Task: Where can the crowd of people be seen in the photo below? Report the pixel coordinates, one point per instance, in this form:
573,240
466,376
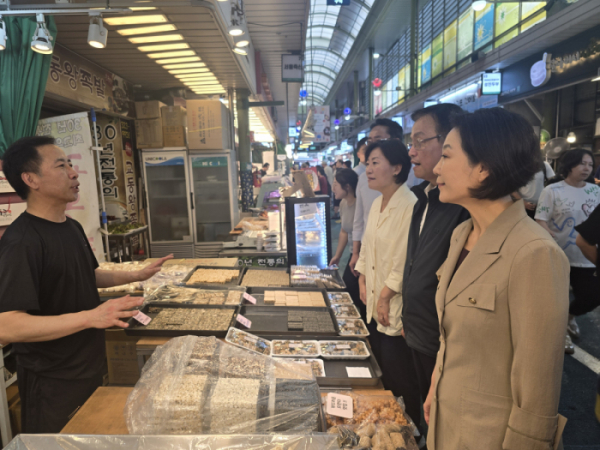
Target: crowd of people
463,277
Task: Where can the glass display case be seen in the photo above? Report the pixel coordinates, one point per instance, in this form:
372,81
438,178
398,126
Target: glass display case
308,229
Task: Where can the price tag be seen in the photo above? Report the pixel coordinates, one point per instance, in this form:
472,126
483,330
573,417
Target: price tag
299,345
339,405
343,347
245,322
249,298
358,372
142,318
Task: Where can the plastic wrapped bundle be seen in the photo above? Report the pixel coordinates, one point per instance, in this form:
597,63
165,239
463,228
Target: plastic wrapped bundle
199,385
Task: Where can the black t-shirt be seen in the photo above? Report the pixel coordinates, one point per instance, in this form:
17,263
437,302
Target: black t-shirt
47,270
590,230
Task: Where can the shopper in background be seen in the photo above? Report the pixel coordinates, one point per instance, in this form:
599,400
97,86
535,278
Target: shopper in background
502,298
381,265
344,189
323,185
264,170
359,154
561,207
348,164
49,304
339,164
328,173
381,129
428,240
530,193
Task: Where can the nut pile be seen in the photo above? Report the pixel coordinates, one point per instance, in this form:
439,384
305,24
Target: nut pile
213,276
345,311
310,321
248,341
266,278
304,365
191,296
295,348
234,401
352,327
342,349
294,298
340,298
196,319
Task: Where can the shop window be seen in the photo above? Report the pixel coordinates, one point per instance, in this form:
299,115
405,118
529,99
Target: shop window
437,57
450,45
484,26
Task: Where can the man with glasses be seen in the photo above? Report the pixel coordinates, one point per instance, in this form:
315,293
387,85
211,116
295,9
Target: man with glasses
381,129
428,241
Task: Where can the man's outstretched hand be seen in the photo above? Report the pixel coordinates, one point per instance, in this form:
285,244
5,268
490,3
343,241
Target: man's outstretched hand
152,269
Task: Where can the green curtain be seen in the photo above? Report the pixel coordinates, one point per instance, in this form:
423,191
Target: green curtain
23,76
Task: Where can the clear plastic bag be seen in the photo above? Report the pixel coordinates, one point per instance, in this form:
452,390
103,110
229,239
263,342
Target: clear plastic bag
199,385
169,293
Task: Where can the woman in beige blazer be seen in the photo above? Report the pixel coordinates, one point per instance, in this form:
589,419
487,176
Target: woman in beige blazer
502,298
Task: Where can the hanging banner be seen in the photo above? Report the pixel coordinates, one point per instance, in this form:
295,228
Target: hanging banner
76,78
321,124
129,171
73,134
437,59
465,34
450,45
484,26
426,65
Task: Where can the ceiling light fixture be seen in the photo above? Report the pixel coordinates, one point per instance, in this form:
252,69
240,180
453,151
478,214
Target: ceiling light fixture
155,39
146,30
377,92
2,34
180,71
141,8
236,30
172,54
196,77
178,60
598,77
241,41
571,138
41,37
478,5
158,48
136,20
376,55
240,51
185,65
97,34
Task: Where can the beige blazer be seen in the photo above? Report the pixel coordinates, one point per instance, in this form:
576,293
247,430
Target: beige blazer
503,318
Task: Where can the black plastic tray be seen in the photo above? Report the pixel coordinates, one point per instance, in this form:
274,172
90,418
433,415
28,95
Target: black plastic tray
278,269
321,285
272,320
259,295
211,286
137,329
335,369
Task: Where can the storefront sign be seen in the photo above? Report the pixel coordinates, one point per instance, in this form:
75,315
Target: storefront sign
9,212
4,186
73,134
572,61
262,261
76,78
129,173
292,70
491,83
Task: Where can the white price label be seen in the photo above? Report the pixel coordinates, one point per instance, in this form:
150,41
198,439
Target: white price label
249,298
343,347
245,322
339,405
142,318
358,372
298,345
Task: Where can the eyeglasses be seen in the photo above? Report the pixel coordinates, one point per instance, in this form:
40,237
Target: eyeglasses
418,143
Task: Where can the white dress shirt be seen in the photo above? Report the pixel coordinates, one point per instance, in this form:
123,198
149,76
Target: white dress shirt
383,254
364,199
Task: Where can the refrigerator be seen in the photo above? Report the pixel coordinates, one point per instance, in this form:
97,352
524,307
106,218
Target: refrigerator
308,230
168,200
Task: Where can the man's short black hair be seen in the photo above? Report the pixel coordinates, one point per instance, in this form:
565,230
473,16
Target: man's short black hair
266,165
505,144
359,144
396,153
441,114
21,157
571,159
394,129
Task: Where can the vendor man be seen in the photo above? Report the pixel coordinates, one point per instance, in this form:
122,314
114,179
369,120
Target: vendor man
49,303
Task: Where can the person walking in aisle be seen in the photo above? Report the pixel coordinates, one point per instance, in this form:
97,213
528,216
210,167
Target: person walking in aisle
324,188
328,172
344,189
381,129
381,265
428,240
530,193
339,164
501,299
49,304
563,206
359,151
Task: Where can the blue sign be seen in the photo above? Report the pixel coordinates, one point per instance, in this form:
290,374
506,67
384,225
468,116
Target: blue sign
303,93
484,26
347,111
338,2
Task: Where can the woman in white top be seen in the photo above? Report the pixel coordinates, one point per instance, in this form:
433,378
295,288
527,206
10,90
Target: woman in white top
530,193
561,207
381,267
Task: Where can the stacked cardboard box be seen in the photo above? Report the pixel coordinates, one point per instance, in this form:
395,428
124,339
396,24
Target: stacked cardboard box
174,126
148,126
208,125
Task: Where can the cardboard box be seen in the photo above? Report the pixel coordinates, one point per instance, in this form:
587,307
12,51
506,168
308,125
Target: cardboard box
122,360
208,125
148,110
174,136
149,133
173,116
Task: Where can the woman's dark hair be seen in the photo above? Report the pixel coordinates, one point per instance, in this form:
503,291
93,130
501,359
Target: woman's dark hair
320,170
347,179
396,153
571,159
505,144
348,164
21,157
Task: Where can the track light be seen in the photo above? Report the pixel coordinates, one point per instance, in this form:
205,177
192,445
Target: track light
240,51
41,37
478,5
376,55
98,34
241,41
571,138
235,30
2,34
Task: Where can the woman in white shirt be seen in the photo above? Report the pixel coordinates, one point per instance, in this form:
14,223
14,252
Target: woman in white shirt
530,193
381,267
561,207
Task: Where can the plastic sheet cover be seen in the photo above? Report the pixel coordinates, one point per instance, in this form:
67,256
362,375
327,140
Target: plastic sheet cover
199,385
225,442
